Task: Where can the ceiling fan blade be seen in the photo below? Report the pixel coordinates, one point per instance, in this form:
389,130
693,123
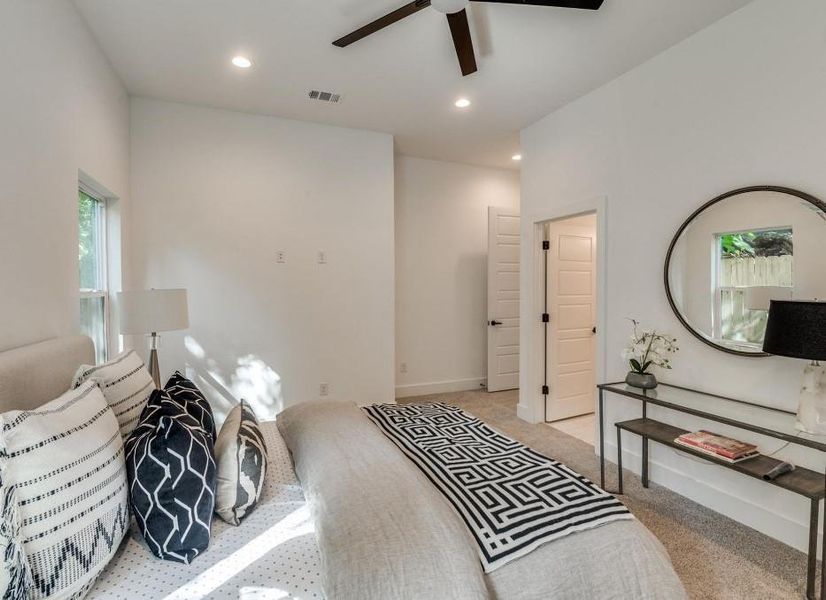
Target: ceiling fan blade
584,4
386,20
460,30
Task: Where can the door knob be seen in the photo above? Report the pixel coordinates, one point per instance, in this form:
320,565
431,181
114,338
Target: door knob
495,322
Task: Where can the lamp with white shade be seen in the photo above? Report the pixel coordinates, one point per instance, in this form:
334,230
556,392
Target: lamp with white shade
152,311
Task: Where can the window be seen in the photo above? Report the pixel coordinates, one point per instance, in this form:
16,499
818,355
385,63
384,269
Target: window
752,267
94,297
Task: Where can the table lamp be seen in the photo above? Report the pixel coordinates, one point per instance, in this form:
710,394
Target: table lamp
797,329
151,311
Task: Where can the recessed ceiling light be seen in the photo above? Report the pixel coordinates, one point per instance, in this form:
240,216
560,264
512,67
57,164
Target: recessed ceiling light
462,103
517,157
242,62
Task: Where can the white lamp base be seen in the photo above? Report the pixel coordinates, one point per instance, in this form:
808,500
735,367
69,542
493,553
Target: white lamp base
811,412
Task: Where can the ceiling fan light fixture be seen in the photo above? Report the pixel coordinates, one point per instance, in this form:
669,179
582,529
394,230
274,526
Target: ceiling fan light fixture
457,18
242,62
462,103
448,7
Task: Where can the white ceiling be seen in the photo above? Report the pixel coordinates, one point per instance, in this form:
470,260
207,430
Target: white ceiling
403,80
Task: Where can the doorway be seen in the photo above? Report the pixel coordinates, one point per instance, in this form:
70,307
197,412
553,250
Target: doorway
570,353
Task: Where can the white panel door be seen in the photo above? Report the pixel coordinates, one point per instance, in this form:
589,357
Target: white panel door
503,299
572,307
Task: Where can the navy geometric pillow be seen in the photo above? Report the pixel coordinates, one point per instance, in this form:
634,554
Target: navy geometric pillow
190,397
172,475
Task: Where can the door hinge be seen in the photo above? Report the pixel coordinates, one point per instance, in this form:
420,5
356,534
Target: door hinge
545,390
546,244
546,318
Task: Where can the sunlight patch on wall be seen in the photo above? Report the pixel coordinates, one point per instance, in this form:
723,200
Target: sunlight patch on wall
259,385
194,348
250,379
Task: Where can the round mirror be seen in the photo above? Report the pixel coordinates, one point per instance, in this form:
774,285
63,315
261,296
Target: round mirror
738,252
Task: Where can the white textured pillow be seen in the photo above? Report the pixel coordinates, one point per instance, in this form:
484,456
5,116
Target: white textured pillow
64,464
126,385
241,454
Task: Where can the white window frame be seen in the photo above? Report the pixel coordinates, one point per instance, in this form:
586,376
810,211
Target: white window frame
103,263
717,317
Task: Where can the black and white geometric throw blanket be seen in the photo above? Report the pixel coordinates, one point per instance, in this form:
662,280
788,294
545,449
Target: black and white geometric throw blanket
511,498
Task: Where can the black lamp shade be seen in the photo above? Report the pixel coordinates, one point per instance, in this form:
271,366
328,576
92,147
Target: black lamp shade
796,329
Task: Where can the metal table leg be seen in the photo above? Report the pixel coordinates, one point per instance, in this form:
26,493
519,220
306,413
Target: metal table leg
601,443
814,554
811,565
619,460
644,462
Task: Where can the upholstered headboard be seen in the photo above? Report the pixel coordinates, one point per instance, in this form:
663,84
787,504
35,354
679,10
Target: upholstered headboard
32,375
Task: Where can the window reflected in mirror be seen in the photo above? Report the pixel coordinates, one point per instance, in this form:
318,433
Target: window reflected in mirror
752,268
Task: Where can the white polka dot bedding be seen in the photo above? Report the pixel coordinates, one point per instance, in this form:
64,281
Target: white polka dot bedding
272,554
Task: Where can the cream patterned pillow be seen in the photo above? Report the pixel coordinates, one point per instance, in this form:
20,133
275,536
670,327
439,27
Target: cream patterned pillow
242,465
63,464
126,385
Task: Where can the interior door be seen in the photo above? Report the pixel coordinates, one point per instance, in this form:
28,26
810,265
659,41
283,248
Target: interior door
503,299
572,308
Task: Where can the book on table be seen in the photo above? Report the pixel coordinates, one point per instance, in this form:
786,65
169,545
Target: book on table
720,446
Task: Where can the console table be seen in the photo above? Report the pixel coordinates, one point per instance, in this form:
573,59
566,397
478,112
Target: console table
771,422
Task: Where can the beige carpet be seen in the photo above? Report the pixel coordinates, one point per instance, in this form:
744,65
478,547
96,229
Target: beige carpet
714,556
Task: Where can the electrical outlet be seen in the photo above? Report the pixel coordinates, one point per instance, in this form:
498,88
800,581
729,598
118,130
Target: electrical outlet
280,257
323,389
322,257
403,368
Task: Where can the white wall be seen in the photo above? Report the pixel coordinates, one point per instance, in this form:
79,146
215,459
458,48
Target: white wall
441,271
62,109
216,195
740,103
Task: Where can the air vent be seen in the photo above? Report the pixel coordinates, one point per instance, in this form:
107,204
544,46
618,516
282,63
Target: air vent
325,97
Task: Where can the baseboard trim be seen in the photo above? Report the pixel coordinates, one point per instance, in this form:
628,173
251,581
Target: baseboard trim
791,532
525,413
439,387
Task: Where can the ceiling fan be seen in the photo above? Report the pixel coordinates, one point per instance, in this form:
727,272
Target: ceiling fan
457,20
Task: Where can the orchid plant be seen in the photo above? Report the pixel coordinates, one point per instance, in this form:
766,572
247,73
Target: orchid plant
649,348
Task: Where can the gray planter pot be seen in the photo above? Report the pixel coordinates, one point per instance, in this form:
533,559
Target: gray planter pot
645,381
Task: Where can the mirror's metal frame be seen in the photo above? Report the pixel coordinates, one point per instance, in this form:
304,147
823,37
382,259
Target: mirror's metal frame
757,188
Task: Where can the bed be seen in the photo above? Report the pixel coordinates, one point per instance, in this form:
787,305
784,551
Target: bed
365,522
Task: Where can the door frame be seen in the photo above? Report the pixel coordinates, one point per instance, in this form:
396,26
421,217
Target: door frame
531,407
